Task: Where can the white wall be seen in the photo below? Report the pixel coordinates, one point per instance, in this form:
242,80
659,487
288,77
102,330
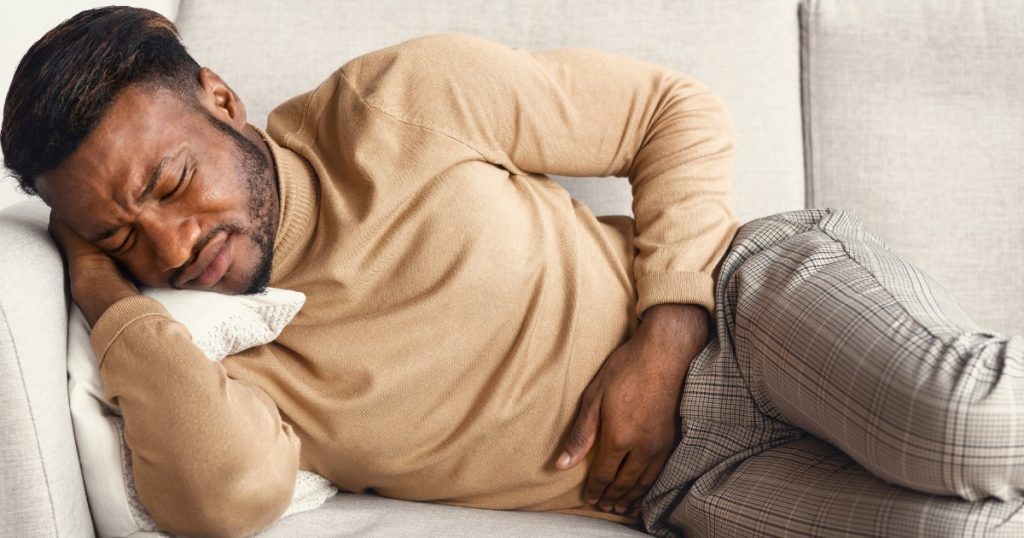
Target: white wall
21,24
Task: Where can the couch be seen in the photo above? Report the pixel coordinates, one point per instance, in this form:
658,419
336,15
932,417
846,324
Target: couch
908,113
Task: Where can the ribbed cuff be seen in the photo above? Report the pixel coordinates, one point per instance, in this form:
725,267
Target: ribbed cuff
675,287
118,317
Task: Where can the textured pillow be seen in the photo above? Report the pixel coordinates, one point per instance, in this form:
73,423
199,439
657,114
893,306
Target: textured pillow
220,325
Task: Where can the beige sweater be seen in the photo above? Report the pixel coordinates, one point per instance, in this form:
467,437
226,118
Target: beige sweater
458,300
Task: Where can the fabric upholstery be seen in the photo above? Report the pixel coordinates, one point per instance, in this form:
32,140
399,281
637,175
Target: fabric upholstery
824,331
915,123
42,492
369,516
746,51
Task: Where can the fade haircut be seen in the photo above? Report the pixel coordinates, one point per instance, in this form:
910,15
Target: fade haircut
69,78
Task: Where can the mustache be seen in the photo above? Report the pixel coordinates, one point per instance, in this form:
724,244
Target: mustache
199,246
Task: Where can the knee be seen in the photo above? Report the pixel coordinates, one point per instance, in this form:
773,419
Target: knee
969,440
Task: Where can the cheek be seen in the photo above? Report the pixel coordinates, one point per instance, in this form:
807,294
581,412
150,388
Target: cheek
221,191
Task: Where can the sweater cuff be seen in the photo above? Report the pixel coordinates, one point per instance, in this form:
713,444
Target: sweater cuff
675,287
118,317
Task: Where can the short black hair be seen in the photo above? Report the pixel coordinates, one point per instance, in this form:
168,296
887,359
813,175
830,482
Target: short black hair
69,78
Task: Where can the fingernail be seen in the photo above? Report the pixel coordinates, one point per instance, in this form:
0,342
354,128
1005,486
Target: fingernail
620,509
591,501
563,460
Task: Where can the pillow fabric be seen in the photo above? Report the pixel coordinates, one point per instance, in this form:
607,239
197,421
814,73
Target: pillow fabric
220,325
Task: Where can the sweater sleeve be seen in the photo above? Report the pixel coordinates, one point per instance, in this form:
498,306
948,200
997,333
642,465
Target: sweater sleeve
583,112
210,454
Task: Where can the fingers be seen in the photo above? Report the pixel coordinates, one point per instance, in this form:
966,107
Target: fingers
68,240
628,502
603,471
582,433
622,473
614,472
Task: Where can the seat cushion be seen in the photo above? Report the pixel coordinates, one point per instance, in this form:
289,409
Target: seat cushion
915,123
347,514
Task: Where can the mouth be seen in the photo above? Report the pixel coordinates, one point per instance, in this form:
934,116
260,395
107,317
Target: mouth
210,265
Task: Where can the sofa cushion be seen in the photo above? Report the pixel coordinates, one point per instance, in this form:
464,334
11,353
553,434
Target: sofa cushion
745,50
914,123
369,516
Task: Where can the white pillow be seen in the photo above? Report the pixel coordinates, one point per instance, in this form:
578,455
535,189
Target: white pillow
220,325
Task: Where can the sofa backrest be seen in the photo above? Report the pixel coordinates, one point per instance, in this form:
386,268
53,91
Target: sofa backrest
915,122
745,50
910,112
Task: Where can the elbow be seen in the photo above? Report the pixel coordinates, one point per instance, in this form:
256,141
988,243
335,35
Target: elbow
231,508
699,104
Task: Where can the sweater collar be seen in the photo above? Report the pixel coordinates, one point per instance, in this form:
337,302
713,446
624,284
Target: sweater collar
298,194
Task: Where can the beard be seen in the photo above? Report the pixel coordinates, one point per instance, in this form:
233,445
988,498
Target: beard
259,179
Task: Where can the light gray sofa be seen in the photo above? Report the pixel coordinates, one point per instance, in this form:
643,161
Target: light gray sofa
908,113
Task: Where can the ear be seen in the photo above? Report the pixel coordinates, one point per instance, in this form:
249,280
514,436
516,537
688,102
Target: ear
220,100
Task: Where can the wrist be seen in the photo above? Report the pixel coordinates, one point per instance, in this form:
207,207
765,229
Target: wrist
681,328
677,318
95,290
94,305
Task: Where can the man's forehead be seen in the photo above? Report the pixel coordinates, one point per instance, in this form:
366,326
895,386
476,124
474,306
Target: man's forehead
116,161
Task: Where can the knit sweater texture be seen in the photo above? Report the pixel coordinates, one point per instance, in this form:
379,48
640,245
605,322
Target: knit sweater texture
458,300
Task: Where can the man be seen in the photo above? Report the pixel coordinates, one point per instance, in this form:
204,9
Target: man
471,335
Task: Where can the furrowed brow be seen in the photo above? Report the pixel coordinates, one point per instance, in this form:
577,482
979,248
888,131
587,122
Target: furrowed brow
146,191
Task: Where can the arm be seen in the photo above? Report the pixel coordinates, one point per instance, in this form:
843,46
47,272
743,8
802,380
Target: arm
580,112
210,454
583,112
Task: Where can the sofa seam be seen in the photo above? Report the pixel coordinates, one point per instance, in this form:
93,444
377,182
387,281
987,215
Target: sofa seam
32,418
805,13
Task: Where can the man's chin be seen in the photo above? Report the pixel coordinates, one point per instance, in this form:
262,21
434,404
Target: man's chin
247,278
259,278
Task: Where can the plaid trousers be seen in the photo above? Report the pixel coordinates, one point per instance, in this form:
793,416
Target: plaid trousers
843,393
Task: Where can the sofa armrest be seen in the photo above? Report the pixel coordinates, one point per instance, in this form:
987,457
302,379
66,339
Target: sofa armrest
42,492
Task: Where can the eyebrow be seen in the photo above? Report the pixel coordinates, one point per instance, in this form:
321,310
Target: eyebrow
150,185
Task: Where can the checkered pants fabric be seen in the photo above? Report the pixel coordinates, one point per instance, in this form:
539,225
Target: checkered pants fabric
844,393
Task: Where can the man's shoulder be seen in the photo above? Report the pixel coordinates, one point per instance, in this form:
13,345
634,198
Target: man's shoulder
419,60
411,81
434,48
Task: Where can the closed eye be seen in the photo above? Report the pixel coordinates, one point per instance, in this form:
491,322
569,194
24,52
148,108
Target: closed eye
177,186
124,246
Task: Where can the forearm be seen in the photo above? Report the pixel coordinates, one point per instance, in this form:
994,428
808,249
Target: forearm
682,187
210,454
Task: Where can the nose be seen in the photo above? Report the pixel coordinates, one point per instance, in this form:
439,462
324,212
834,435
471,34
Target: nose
172,239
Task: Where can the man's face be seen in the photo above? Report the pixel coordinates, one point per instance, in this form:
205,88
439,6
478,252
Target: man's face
177,195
